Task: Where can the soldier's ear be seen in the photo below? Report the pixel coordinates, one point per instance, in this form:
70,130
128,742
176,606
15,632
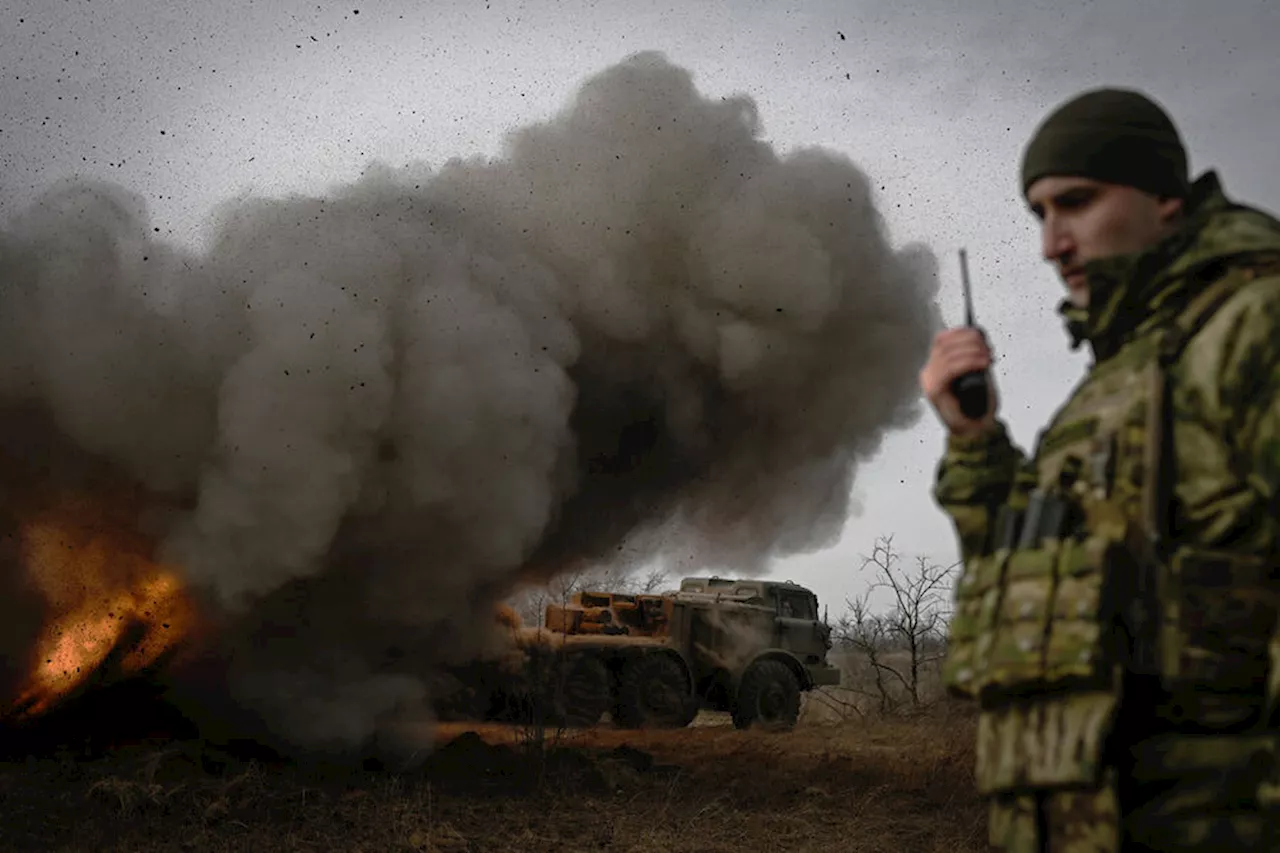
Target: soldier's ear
1170,208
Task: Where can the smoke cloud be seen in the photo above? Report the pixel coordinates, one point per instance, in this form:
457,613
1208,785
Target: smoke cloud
366,416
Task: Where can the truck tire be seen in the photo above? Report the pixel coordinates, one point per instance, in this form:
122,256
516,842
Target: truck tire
582,694
654,693
768,696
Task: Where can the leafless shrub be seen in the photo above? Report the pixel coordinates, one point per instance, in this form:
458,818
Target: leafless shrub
892,657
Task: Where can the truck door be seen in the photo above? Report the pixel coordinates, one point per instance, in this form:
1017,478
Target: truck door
798,624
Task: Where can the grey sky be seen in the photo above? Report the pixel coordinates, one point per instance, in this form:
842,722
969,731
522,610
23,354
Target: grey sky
191,103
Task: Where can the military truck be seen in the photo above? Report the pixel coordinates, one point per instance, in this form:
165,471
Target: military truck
749,647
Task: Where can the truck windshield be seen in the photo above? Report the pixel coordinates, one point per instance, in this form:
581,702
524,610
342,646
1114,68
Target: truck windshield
793,605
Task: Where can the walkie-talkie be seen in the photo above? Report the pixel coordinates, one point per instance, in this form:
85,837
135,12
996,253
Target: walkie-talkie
971,388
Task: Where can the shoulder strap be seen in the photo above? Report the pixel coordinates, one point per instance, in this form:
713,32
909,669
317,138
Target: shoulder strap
1224,280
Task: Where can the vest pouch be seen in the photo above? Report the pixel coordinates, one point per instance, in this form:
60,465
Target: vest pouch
1016,659
1080,647
1055,741
969,637
1218,622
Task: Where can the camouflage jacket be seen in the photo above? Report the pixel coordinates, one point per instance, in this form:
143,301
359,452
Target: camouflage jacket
1228,399
1223,446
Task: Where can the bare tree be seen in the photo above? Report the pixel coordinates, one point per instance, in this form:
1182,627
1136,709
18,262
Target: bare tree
652,582
908,640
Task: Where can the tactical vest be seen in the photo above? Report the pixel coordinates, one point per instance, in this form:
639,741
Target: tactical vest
1084,583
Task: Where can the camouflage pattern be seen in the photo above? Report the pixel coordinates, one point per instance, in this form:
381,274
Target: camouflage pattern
1119,611
1078,821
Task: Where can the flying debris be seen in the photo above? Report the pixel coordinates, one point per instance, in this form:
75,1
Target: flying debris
295,473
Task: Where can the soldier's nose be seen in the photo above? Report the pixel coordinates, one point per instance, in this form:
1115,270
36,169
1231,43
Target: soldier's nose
1055,242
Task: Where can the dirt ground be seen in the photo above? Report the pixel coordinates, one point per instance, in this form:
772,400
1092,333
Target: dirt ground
856,786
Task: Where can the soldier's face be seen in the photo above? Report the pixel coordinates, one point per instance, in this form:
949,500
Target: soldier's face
1083,220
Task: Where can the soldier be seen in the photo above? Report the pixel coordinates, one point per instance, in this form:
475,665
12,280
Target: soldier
1116,619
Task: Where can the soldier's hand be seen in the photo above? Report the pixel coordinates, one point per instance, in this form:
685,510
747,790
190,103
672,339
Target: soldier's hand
957,352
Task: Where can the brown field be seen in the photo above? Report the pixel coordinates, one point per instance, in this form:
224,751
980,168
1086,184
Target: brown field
855,785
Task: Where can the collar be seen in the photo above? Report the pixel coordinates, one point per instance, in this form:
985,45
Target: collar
1131,293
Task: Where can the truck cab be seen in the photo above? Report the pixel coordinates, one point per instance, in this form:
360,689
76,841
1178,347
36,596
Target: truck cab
797,627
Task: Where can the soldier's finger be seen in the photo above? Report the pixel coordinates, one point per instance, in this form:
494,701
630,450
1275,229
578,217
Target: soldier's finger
955,336
962,349
965,363
937,377
959,333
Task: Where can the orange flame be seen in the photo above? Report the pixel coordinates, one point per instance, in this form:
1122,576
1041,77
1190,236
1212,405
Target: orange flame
111,611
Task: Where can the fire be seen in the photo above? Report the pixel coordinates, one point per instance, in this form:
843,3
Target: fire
111,610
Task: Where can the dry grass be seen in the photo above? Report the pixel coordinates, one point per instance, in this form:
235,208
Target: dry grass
857,786
862,695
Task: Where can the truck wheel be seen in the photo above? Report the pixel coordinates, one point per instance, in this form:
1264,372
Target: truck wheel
768,695
582,692
653,692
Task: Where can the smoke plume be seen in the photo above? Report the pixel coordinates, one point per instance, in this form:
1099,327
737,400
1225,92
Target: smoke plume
364,417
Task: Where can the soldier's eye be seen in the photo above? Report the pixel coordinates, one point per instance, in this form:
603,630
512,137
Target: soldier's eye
1075,199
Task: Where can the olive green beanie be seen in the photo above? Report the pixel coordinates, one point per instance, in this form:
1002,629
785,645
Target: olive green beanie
1115,135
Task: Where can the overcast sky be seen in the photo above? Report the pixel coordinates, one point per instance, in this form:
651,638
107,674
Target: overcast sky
192,103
